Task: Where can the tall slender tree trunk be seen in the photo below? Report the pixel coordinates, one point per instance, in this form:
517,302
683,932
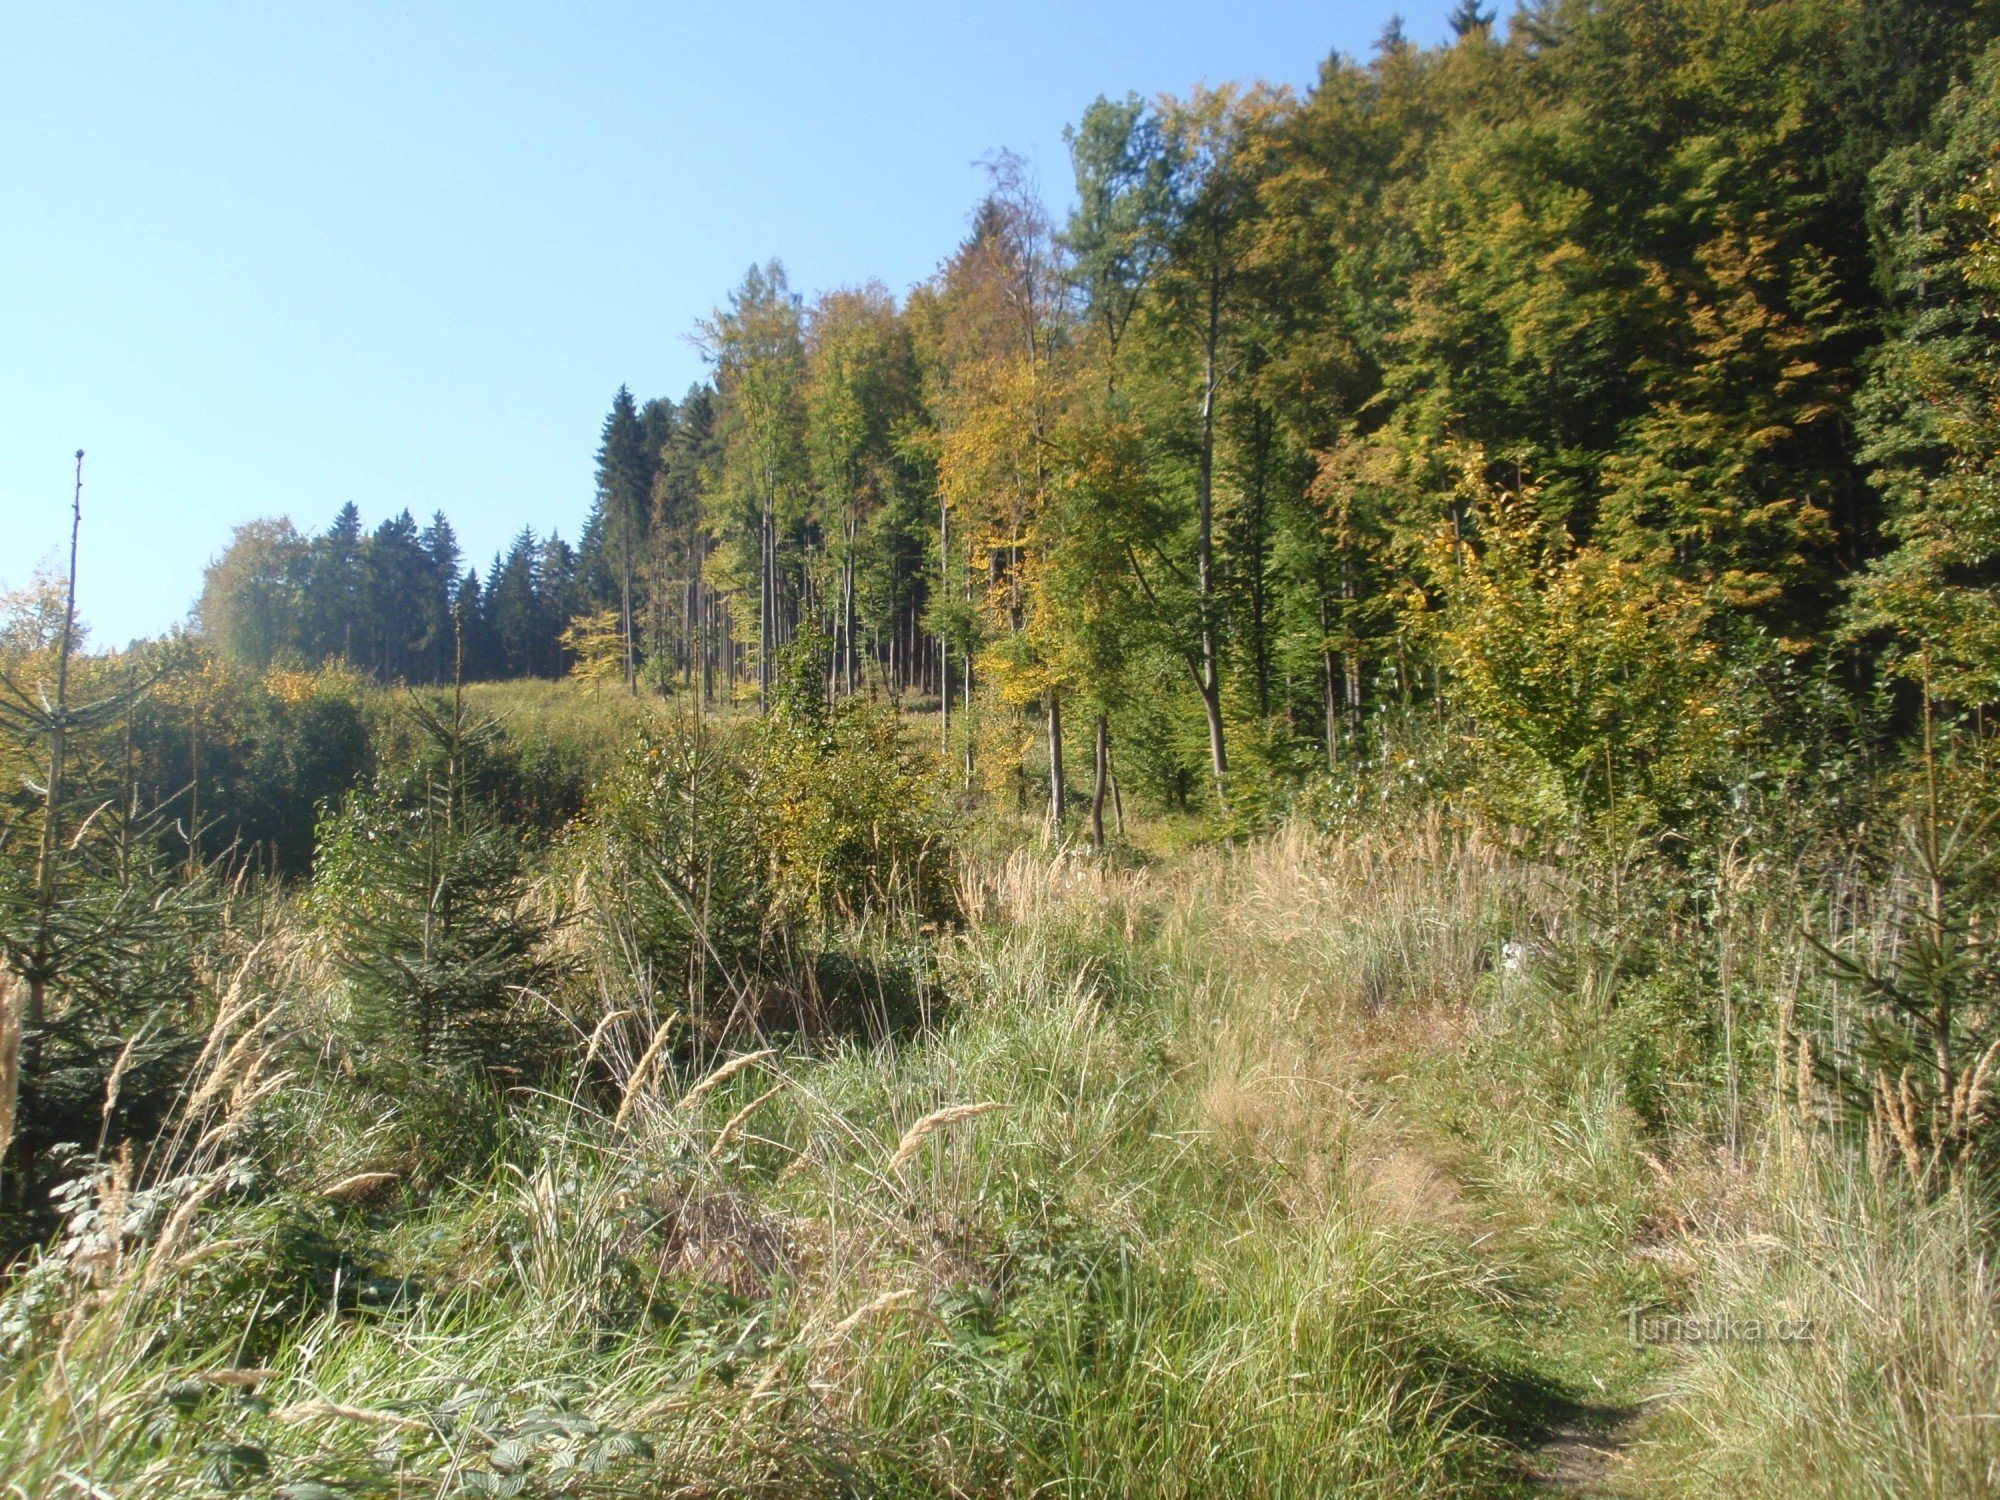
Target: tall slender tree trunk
625,609
847,606
694,631
1260,644
1099,785
766,614
1332,706
1209,678
1351,662
970,738
1056,780
1328,695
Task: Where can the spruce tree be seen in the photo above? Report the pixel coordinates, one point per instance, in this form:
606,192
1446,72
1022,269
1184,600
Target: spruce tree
333,601
624,503
475,645
511,598
426,895
1467,19
557,600
439,590
98,936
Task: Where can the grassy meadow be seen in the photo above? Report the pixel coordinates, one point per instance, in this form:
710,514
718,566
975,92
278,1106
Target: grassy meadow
1322,821
1308,1163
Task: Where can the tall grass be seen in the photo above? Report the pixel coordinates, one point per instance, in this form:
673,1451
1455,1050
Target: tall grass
1040,1247
1293,1168
1896,1390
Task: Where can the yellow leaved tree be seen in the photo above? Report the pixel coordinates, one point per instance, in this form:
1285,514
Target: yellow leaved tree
597,641
1589,680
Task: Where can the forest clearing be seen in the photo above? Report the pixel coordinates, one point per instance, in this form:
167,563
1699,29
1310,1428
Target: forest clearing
1320,821
1318,1160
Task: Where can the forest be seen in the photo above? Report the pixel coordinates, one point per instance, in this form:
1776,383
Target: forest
1325,825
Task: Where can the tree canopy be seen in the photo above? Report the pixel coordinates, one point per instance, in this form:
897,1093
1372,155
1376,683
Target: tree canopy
1637,328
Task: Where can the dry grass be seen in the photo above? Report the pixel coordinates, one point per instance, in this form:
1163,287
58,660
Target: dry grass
914,1138
1284,1184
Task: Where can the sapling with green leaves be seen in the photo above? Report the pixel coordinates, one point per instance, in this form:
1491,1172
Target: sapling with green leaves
677,885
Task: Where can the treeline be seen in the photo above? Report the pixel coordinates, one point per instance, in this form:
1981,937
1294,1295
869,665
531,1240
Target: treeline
391,602
1625,385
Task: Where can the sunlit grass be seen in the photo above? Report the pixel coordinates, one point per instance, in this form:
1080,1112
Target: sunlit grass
1284,1184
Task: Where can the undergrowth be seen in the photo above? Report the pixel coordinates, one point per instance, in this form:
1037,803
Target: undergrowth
1294,1168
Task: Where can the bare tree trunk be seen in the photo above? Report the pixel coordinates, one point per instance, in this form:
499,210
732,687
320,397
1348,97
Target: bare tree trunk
847,607
944,646
1328,695
970,737
625,609
1098,787
1056,783
766,615
1260,646
1209,679
1328,686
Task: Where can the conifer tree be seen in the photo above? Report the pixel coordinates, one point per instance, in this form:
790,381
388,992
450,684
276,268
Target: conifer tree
512,599
439,644
1468,19
426,895
333,603
97,936
1930,412
624,509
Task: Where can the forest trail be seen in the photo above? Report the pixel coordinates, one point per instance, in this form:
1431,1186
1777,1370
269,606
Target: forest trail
1581,1457
1574,1343
1570,1277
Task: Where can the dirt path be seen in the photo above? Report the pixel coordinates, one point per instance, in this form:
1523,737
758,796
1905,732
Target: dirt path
1582,1455
1573,1267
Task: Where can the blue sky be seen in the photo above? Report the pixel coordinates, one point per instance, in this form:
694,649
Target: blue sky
265,259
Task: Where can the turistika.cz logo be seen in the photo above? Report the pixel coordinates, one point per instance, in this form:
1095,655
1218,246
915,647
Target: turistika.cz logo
1664,1328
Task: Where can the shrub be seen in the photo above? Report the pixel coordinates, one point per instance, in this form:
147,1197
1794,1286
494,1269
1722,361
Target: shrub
854,831
673,865
717,859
